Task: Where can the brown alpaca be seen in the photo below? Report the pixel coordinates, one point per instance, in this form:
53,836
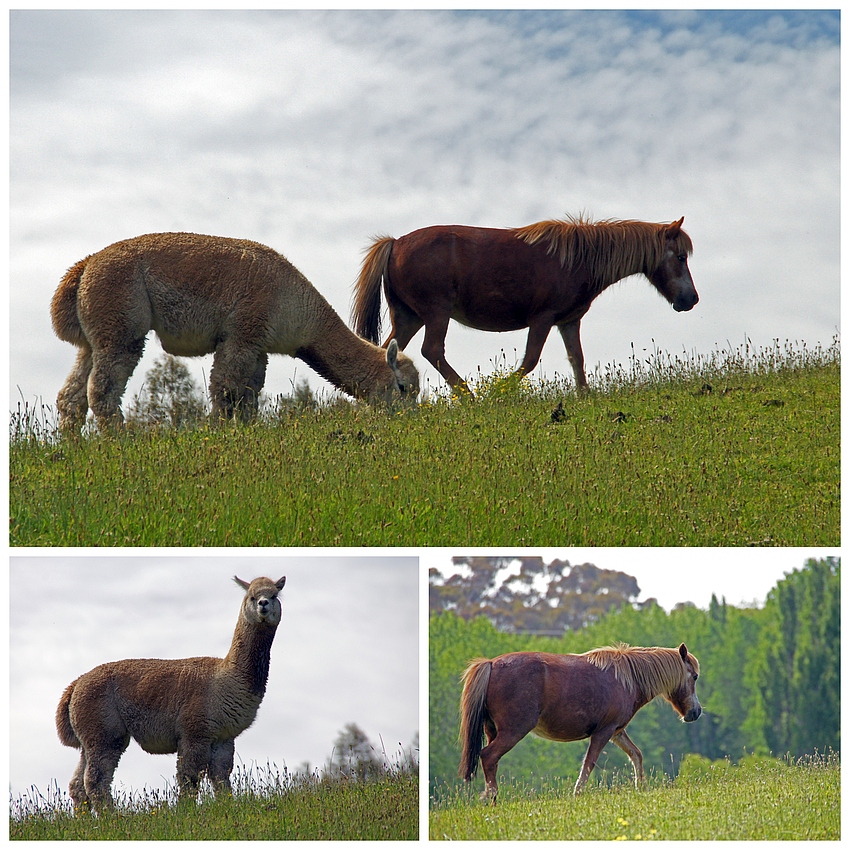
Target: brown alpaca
206,294
192,706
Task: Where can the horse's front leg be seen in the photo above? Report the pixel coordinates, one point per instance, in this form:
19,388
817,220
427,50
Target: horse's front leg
538,332
630,748
572,342
597,743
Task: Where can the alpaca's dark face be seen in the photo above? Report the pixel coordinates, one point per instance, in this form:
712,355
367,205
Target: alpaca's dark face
261,604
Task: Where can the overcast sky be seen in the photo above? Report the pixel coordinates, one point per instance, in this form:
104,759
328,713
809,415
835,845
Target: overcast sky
346,650
314,131
743,576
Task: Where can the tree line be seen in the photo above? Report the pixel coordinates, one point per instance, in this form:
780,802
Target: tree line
769,680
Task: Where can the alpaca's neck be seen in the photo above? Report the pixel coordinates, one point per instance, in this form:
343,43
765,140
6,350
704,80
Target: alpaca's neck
250,653
350,363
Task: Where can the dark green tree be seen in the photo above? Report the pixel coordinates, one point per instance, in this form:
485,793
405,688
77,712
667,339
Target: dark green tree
169,396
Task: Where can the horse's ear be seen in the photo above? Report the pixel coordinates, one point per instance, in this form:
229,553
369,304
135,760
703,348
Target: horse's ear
683,651
280,583
243,584
672,230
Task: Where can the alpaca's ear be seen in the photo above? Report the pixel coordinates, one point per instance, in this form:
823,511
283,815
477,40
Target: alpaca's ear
280,583
243,584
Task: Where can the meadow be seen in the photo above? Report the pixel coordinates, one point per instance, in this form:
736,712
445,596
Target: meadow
731,449
265,806
759,799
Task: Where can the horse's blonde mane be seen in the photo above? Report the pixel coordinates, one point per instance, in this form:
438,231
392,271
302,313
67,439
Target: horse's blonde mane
650,671
609,249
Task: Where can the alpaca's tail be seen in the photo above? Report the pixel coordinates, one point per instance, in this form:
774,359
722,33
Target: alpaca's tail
63,307
473,712
366,312
63,719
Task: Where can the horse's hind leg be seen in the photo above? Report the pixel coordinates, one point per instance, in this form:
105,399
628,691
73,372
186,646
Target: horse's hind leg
111,369
498,744
72,401
630,748
434,350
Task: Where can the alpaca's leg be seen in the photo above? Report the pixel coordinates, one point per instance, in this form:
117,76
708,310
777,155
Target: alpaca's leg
111,370
99,770
221,765
193,759
253,388
72,402
237,376
77,787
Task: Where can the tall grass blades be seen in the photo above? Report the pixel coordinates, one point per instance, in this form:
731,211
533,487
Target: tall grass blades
759,799
735,448
267,804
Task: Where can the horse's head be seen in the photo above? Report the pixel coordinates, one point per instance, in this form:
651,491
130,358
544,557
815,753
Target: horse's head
684,697
672,277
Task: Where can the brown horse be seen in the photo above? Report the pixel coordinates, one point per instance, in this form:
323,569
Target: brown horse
568,698
531,277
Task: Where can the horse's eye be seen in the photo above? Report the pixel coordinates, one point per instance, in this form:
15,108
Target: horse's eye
683,259
696,676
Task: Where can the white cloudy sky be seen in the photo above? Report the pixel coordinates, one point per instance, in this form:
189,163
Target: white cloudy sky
743,576
345,652
314,131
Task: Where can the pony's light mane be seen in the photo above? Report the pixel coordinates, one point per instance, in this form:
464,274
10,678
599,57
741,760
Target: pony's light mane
609,249
649,670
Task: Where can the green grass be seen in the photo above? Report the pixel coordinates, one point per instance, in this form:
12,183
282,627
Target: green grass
304,809
762,799
734,449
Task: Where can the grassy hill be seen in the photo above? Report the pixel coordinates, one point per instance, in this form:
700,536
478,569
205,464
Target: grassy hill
303,810
761,799
727,450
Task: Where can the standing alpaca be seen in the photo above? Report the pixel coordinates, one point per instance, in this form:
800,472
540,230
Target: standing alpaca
192,706
206,294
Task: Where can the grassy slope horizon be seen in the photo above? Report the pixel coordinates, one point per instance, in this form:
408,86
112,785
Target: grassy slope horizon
732,451
760,799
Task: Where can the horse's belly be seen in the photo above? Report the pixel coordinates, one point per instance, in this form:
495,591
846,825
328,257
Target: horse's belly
563,733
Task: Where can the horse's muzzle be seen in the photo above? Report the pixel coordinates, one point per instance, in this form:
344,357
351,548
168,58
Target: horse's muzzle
686,302
693,714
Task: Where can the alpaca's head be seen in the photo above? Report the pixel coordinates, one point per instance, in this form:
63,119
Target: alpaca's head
261,605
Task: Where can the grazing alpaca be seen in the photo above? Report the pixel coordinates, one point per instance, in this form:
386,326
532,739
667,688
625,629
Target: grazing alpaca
206,294
192,706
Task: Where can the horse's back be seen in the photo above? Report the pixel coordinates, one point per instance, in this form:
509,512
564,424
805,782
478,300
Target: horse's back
483,277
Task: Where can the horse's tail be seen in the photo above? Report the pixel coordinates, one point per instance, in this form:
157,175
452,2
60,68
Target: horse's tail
63,307
67,735
473,712
366,312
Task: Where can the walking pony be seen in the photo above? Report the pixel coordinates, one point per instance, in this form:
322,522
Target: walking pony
206,294
532,277
568,698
